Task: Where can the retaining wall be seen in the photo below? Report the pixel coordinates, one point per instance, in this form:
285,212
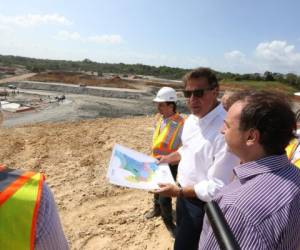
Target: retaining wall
75,89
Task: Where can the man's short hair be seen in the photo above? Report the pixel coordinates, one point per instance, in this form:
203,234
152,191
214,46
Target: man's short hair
271,114
206,73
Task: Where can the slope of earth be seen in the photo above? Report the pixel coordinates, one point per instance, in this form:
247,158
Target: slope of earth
74,157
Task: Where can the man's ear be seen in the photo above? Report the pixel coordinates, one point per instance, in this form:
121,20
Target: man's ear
253,137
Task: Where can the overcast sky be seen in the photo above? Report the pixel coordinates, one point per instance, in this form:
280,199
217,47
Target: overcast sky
226,35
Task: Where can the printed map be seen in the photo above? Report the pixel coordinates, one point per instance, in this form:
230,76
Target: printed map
133,169
139,171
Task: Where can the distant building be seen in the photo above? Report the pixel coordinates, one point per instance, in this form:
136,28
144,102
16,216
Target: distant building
3,92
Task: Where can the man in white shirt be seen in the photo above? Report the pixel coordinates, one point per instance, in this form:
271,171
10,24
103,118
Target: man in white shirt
205,165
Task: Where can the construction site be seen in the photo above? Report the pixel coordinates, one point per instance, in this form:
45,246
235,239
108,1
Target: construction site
58,96
67,131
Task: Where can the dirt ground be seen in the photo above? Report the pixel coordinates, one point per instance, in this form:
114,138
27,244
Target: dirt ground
111,81
74,157
17,78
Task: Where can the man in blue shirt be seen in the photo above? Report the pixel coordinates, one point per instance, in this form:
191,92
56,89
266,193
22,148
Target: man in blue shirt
262,204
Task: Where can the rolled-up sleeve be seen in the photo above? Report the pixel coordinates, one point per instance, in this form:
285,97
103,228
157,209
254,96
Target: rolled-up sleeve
220,172
179,150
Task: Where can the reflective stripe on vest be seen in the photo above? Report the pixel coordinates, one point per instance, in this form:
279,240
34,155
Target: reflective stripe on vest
20,194
167,141
291,151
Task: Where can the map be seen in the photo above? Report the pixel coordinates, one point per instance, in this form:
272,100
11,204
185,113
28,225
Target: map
133,169
141,171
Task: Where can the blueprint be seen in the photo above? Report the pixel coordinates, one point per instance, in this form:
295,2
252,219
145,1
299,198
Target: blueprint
132,169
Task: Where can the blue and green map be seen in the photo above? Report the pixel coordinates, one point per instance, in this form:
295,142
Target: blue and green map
140,171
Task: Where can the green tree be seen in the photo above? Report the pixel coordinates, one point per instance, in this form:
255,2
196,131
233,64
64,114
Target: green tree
268,76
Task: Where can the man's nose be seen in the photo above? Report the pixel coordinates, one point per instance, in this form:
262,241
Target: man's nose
193,97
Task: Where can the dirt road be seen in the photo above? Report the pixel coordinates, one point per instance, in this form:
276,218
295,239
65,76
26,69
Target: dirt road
17,78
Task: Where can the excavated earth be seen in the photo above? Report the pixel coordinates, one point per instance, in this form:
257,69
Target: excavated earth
74,157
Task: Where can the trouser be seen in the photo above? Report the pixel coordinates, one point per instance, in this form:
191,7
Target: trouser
189,217
165,203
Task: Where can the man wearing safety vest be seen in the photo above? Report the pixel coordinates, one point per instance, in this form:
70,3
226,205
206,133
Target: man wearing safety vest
166,139
28,215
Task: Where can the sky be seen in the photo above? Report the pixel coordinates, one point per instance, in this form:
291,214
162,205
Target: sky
227,35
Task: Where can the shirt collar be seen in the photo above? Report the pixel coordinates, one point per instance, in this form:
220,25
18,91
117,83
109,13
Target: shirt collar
207,119
264,165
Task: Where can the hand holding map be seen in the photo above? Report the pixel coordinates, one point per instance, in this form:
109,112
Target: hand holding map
132,169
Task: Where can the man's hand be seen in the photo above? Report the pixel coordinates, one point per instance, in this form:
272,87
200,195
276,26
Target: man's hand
168,190
164,159
170,158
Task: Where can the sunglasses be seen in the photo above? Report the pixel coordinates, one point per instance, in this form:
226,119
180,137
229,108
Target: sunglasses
195,92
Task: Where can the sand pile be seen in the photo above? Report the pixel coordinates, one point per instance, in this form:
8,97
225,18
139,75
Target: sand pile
74,158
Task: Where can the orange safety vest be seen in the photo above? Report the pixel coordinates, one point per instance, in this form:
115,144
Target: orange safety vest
291,150
167,140
20,193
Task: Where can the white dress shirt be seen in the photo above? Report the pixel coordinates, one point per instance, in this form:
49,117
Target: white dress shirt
205,161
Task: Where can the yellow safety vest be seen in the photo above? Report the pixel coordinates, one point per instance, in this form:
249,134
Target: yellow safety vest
167,140
291,150
20,193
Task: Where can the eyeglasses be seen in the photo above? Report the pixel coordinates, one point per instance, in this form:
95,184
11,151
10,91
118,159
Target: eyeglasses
195,92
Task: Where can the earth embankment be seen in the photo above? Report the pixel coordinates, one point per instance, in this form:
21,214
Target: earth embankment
74,157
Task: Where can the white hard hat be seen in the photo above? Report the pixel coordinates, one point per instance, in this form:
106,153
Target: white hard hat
166,94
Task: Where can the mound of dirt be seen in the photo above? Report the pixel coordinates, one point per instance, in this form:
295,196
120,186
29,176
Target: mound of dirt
83,79
74,157
99,81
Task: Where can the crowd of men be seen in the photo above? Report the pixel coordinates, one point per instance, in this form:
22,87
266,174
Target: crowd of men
243,159
240,154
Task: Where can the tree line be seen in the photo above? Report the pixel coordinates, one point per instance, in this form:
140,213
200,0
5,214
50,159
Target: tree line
40,65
